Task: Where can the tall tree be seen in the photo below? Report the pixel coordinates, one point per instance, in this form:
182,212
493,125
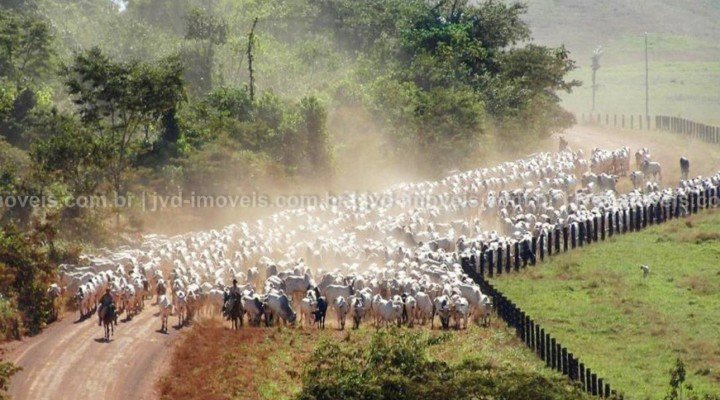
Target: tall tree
119,99
25,48
318,143
208,31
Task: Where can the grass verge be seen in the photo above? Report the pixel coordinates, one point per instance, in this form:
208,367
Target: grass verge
212,362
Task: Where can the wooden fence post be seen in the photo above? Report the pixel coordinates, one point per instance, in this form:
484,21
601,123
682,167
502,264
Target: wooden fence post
557,240
491,262
602,226
594,385
595,228
533,249
516,249
541,246
624,220
482,260
499,261
565,238
558,355
588,380
508,263
550,242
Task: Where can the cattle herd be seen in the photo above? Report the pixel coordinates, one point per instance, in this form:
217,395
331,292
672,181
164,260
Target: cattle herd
386,258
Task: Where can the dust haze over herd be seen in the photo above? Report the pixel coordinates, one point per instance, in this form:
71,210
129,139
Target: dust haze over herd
322,199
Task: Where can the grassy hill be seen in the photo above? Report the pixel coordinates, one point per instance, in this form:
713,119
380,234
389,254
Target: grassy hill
629,329
684,49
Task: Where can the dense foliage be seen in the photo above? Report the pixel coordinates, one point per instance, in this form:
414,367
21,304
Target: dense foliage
396,365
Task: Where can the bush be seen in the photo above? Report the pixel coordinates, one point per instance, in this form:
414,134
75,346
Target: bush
396,365
25,274
7,370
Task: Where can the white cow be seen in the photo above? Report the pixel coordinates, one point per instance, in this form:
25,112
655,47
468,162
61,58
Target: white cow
341,308
165,310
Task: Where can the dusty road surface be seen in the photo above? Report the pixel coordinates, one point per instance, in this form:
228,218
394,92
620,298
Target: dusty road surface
71,361
667,148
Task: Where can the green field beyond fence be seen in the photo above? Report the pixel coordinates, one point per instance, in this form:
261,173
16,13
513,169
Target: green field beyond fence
631,329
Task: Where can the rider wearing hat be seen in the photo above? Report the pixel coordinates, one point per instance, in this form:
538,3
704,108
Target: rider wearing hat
106,301
232,296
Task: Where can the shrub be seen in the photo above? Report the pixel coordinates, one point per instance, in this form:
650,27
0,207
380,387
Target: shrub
396,365
7,370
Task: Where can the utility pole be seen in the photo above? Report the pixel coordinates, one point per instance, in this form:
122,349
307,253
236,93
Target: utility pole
595,66
647,82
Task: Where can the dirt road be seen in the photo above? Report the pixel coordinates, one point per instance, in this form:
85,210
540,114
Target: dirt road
667,148
68,360
71,361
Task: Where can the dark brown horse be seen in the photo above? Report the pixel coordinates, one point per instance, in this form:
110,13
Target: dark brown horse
234,311
107,320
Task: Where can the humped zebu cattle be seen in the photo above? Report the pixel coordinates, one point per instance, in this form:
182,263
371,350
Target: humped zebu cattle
391,263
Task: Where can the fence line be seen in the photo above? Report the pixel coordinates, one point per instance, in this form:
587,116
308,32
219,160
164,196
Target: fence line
682,126
494,260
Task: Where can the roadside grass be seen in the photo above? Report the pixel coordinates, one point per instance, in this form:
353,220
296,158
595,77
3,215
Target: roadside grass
212,362
630,330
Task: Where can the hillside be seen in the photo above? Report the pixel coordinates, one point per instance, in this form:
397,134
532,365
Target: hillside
683,47
683,28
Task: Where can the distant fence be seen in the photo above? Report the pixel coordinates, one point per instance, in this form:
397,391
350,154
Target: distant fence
682,126
494,260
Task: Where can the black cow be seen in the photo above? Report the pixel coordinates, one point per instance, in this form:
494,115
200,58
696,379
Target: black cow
684,168
321,311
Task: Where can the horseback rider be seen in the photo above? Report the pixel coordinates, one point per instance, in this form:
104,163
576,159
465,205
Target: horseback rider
231,297
106,301
563,143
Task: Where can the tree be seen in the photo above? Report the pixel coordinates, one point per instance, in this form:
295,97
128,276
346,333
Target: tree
26,55
208,31
25,48
120,99
314,117
72,155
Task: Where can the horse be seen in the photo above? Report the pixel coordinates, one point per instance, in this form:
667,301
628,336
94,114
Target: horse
233,310
108,319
